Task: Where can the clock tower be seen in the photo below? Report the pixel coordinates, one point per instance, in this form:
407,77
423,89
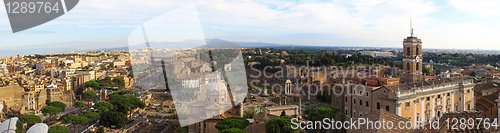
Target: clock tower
412,59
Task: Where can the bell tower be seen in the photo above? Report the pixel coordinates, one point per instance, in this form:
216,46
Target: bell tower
412,59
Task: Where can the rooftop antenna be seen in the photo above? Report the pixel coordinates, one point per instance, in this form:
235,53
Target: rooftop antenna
411,27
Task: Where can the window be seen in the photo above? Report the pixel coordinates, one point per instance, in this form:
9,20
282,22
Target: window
354,100
354,115
416,51
439,96
378,105
346,99
346,112
360,93
367,94
408,66
468,91
360,102
366,103
428,98
407,50
387,107
468,105
460,99
448,94
456,107
417,66
407,104
418,116
360,114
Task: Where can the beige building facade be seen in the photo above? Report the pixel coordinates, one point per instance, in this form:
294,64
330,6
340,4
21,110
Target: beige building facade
415,99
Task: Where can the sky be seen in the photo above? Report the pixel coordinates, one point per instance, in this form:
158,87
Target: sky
94,24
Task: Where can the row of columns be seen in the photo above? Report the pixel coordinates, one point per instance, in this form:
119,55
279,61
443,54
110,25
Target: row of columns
422,102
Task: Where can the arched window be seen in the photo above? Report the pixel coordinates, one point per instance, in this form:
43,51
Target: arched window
417,66
407,50
417,52
408,66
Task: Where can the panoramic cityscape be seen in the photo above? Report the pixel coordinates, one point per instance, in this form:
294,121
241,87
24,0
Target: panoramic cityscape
252,66
286,89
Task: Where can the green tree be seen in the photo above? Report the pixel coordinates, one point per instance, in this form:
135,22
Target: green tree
92,83
110,118
58,104
282,124
75,119
19,128
232,122
320,113
107,79
427,70
125,92
79,91
125,104
103,106
89,94
30,119
119,80
233,130
51,110
249,113
58,129
89,114
80,104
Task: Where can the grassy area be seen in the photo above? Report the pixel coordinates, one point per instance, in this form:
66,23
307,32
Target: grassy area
262,108
260,87
442,68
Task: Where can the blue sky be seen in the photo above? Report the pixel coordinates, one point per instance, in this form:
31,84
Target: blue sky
92,24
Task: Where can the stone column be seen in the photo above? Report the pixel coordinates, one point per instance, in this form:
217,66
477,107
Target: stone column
473,100
433,106
415,112
453,101
422,111
463,101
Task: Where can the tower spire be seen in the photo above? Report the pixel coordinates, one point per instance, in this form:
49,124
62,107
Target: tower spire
411,27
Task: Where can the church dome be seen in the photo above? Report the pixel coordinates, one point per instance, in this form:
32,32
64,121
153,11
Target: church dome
217,87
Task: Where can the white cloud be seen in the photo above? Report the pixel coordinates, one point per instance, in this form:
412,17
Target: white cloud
379,20
477,8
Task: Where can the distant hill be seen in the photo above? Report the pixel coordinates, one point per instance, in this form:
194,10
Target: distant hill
203,43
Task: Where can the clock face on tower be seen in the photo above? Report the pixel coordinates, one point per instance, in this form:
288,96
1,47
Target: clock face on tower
417,58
